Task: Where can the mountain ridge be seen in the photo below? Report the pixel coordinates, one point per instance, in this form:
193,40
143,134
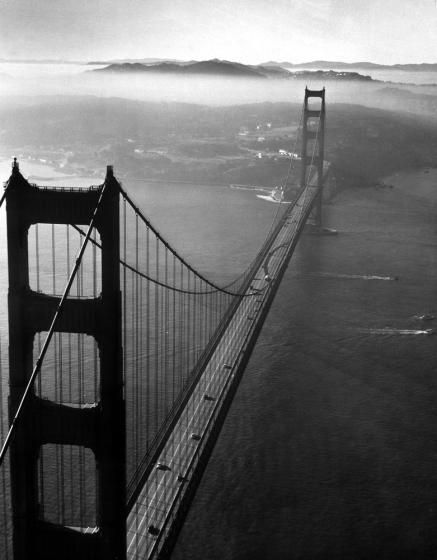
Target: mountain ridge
315,64
208,67
364,65
222,68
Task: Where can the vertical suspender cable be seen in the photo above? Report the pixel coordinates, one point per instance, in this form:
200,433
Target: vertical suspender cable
137,426
148,360
156,337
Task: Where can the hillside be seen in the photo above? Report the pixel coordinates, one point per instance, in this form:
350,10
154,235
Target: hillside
328,75
205,67
330,64
407,100
235,144
225,68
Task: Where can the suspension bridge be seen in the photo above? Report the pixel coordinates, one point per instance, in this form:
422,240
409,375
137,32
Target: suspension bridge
123,362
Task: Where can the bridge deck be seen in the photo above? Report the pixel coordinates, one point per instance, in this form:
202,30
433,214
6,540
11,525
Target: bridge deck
150,519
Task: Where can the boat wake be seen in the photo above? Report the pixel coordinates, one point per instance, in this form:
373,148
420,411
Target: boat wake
270,198
249,188
390,331
358,276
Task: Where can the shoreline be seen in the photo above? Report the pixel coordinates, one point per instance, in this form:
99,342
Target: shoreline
419,182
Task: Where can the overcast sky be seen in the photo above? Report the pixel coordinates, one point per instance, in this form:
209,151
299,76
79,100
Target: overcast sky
251,31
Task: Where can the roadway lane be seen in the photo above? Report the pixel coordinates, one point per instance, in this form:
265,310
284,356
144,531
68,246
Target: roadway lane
150,519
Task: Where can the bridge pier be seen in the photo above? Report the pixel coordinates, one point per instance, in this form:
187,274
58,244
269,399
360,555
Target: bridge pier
100,427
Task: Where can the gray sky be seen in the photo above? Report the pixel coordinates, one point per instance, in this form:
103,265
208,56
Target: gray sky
251,31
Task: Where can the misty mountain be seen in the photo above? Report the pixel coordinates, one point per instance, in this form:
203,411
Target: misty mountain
270,65
423,67
327,75
329,64
206,67
198,143
229,69
150,60
407,100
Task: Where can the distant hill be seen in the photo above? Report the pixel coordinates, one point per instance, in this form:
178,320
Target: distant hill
137,60
407,100
324,64
231,69
205,67
313,64
423,67
324,75
332,64
272,71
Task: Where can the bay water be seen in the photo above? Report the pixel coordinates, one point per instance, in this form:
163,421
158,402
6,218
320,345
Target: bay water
329,449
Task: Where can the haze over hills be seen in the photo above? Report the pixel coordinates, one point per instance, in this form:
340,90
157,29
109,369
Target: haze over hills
327,64
204,67
149,60
210,145
313,64
217,67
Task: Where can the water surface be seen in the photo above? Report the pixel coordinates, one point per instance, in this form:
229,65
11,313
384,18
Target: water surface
329,450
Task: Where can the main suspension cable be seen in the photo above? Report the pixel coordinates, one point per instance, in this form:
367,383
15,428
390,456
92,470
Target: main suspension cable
158,282
145,220
279,207
224,289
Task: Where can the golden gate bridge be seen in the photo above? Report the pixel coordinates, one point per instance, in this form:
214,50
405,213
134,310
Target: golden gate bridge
123,362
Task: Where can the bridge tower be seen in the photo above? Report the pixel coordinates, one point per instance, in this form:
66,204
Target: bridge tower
313,146
99,426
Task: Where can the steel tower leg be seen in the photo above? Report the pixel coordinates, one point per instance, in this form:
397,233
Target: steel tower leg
100,427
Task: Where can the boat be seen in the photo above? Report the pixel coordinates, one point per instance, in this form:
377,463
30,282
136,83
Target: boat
276,195
424,317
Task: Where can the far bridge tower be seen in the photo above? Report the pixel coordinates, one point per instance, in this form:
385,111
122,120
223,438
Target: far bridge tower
313,147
